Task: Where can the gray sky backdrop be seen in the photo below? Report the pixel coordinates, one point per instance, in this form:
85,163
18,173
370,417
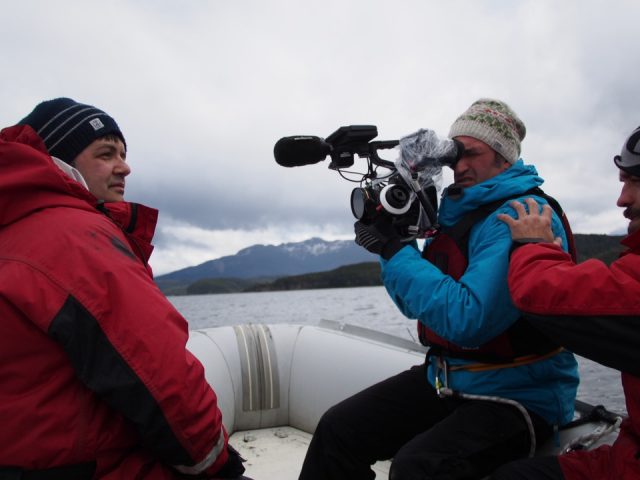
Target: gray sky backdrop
203,90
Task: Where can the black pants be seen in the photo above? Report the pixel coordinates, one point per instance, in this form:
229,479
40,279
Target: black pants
427,437
539,468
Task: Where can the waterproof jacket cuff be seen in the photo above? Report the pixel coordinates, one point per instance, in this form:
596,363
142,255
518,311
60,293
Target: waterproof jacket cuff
392,247
524,241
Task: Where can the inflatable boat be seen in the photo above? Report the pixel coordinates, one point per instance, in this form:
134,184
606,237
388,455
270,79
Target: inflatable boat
274,382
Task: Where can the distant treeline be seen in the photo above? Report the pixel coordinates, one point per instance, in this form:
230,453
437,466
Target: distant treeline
603,247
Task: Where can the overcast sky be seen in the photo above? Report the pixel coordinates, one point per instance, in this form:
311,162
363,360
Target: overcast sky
203,89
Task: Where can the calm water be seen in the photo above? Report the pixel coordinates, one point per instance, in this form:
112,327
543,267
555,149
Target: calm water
367,307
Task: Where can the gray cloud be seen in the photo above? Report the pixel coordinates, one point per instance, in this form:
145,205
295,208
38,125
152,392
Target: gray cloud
203,90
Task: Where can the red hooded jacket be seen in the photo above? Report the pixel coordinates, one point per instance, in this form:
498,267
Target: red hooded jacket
544,281
93,363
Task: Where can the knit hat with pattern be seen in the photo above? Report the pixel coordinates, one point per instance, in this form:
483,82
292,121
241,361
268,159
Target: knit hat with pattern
68,127
494,123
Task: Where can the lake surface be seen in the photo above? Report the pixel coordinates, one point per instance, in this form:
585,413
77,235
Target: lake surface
368,307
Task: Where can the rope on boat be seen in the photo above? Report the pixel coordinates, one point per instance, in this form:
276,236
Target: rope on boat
598,413
443,390
506,401
585,441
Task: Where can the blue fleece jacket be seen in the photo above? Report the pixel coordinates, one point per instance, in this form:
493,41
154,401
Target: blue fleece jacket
476,308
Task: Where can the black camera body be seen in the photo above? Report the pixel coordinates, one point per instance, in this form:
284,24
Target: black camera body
367,202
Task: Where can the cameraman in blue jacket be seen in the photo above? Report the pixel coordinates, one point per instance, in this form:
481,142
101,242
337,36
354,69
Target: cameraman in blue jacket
491,388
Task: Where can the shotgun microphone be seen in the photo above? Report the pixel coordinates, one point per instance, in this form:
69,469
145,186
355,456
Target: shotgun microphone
300,150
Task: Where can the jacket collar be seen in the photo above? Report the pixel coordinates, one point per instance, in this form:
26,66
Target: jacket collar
632,242
515,180
137,221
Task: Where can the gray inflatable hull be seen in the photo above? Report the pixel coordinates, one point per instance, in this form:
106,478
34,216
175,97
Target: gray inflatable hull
274,382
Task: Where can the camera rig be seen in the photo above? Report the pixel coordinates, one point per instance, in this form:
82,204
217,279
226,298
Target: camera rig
406,189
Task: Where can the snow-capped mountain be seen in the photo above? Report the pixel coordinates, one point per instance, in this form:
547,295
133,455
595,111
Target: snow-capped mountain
313,255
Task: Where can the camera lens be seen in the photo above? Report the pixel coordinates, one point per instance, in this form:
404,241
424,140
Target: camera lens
358,198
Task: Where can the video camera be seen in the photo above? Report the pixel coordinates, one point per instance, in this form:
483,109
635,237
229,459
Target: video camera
406,191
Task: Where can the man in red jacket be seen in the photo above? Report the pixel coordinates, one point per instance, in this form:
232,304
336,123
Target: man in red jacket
592,310
95,377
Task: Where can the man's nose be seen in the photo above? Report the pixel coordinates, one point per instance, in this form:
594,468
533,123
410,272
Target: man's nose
624,199
123,168
461,165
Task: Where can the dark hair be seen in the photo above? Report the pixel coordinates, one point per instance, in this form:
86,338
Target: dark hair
113,137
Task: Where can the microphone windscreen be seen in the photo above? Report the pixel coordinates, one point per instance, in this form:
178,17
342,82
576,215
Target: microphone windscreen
300,150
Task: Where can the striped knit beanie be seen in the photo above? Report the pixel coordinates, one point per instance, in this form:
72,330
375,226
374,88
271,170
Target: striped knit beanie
494,123
68,127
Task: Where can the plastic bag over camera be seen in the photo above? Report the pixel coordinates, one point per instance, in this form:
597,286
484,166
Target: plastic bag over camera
422,156
424,153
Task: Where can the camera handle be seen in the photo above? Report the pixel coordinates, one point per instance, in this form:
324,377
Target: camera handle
426,204
381,145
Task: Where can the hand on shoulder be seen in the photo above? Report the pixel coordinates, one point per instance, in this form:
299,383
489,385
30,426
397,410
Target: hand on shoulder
532,224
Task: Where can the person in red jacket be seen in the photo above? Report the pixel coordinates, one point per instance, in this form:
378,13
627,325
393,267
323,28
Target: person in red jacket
95,378
592,310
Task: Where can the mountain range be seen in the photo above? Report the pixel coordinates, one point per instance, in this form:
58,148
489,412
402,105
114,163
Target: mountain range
267,262
314,263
